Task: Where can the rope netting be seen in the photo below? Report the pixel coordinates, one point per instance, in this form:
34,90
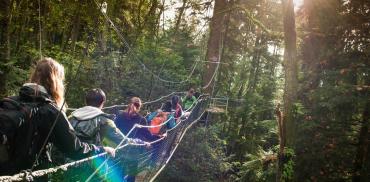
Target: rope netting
133,159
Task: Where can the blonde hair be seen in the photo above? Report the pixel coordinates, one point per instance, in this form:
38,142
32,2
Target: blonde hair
134,106
50,74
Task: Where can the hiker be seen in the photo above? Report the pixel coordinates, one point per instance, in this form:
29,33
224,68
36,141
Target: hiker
164,114
197,95
159,119
176,107
94,126
45,93
156,120
125,121
189,100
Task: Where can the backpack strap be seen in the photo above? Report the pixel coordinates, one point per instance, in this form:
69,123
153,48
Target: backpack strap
12,103
99,121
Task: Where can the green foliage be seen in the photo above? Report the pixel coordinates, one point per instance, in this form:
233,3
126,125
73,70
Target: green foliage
86,37
332,102
200,157
288,168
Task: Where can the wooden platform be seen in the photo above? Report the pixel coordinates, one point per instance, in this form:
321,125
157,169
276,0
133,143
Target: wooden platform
216,110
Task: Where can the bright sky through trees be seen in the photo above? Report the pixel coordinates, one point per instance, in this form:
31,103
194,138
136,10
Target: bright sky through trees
297,4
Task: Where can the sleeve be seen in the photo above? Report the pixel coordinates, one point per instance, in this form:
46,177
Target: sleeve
171,121
111,135
181,112
150,116
65,139
195,101
145,133
147,136
143,121
118,120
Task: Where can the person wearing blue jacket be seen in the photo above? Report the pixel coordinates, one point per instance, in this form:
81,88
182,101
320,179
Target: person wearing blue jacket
125,121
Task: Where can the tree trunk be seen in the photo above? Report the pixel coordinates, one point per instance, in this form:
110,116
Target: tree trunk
281,133
179,15
291,81
75,29
291,70
150,21
214,45
359,174
254,69
102,35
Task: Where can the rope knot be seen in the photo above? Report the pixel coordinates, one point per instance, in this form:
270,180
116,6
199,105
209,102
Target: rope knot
27,175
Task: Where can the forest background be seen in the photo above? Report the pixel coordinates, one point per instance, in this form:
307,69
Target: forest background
311,59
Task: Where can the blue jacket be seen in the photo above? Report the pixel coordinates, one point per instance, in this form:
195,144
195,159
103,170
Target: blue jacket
126,122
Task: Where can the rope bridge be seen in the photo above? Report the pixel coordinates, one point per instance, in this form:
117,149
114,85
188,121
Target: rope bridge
132,159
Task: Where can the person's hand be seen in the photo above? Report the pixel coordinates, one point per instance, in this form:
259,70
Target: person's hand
110,151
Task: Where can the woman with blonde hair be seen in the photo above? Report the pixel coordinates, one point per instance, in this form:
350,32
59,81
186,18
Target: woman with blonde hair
49,123
50,75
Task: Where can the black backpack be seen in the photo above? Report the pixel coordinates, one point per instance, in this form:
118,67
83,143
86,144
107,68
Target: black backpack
18,133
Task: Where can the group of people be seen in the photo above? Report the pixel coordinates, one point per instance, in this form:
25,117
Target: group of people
87,131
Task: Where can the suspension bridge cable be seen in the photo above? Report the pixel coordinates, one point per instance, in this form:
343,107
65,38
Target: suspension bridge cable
144,103
43,172
213,76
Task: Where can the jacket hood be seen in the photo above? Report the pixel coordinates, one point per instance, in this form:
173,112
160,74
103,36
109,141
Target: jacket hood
87,112
34,92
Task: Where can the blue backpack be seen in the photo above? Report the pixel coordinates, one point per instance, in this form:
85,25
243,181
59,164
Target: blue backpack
172,122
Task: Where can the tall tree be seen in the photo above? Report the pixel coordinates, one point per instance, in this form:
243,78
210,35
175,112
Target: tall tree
214,44
291,70
291,82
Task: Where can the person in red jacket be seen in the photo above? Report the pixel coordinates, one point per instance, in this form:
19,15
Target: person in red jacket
176,107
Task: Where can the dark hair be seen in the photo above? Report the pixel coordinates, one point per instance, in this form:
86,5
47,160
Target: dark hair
197,95
95,97
191,90
167,106
174,101
134,106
